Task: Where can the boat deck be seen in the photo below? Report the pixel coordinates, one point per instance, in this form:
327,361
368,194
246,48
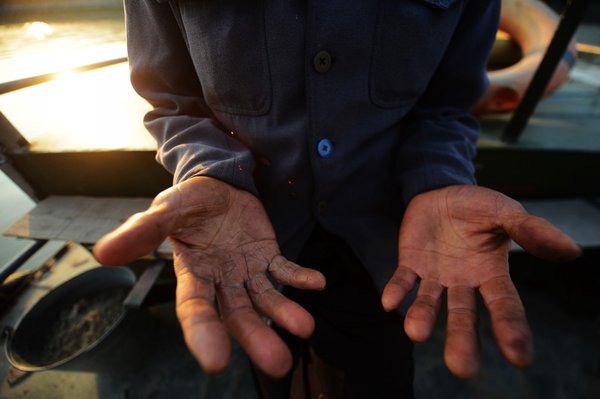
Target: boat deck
554,169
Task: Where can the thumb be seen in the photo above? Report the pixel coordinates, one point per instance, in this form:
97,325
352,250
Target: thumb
138,236
541,238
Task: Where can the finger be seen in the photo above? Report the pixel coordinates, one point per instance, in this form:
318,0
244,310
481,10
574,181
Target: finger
421,316
138,236
284,312
401,283
461,350
203,331
263,346
508,320
289,273
540,238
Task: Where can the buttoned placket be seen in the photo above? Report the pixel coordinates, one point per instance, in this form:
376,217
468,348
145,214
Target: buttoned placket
320,64
334,57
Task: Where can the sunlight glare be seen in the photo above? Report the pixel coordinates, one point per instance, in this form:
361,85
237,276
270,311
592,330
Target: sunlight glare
39,30
95,110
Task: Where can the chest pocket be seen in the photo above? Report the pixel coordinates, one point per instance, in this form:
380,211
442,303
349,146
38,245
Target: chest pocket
411,39
226,40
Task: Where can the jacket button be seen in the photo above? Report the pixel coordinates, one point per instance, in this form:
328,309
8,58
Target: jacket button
325,148
322,61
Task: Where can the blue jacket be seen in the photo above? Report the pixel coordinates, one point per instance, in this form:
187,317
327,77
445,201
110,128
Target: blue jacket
331,112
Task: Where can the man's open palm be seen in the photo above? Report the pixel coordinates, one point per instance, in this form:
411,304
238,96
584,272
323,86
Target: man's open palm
457,239
224,249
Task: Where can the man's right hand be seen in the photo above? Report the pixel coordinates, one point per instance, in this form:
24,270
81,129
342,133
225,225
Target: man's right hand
224,249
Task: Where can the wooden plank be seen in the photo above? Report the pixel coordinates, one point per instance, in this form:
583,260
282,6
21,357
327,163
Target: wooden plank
546,132
77,218
580,218
572,101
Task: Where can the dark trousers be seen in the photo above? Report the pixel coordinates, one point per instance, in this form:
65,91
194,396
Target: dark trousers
357,350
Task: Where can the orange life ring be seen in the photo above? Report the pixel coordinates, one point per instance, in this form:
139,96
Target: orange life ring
531,24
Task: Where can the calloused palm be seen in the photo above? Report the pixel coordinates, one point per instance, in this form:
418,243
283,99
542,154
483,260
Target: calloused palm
457,239
224,251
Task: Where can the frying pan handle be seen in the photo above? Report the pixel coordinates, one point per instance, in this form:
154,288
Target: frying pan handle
144,284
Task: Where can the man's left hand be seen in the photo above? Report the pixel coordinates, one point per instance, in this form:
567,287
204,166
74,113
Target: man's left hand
457,239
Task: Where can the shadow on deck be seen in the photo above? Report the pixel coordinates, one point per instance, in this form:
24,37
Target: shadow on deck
563,307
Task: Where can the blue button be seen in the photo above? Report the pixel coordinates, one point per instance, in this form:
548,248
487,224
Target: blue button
325,148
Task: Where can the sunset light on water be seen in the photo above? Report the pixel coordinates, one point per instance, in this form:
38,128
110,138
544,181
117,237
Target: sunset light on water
80,111
39,30
94,110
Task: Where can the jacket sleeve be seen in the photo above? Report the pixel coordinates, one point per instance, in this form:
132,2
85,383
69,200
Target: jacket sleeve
439,138
191,141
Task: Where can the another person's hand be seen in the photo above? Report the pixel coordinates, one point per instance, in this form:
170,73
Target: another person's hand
224,249
457,239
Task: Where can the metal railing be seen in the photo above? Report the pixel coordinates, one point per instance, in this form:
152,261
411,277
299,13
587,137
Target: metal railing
19,84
